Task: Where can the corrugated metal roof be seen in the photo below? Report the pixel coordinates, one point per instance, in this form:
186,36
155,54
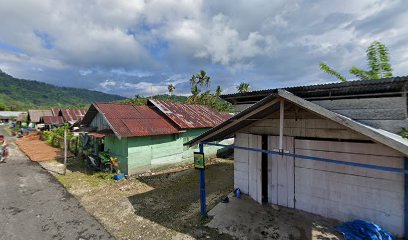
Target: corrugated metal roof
52,120
386,85
22,117
73,115
10,113
259,111
55,111
188,116
35,115
129,120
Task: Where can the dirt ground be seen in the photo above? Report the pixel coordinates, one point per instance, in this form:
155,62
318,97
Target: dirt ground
162,205
246,219
38,150
165,204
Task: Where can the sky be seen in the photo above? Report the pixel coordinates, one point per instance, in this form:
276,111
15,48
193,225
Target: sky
130,47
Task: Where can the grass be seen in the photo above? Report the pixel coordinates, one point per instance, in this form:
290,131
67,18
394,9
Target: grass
80,175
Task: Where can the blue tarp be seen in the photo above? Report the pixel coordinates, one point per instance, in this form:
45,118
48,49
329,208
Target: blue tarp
362,230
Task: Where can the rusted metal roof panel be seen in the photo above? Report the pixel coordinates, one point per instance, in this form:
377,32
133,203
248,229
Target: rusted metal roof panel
35,115
129,120
52,120
188,116
22,117
73,115
55,111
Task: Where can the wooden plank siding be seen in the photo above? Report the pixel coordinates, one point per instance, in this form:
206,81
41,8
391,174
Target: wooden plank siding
99,122
160,151
241,164
314,128
281,173
345,192
388,113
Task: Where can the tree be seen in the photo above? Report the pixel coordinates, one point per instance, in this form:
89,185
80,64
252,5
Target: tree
243,87
218,91
204,96
195,92
171,88
325,68
377,59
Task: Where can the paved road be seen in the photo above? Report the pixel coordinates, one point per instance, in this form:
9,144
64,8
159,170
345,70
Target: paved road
34,206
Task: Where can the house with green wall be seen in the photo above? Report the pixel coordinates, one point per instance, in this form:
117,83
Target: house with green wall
149,136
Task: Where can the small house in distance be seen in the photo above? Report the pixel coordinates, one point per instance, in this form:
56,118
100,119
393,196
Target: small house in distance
145,137
71,116
7,116
34,116
331,149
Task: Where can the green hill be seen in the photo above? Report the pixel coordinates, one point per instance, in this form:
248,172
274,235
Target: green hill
20,94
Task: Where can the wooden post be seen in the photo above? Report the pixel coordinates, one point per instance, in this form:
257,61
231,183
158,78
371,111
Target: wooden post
65,151
281,120
202,188
406,198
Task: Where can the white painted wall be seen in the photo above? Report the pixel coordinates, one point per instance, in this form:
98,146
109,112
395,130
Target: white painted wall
241,157
281,173
247,166
346,192
331,190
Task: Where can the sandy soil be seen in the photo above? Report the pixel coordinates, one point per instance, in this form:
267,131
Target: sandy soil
38,150
246,219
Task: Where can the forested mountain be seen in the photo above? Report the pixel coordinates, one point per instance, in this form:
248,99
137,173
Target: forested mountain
20,94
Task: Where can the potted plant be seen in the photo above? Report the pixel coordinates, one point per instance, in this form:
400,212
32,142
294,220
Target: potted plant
115,164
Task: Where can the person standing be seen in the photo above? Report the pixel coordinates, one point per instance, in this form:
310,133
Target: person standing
3,149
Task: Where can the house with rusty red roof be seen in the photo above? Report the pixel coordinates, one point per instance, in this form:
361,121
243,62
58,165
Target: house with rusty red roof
149,136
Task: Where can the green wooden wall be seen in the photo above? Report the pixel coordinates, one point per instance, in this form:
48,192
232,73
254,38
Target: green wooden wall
118,148
138,154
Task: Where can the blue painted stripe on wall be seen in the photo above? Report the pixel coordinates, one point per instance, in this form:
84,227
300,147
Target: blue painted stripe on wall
388,169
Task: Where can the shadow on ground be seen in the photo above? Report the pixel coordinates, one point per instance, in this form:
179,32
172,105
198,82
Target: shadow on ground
174,201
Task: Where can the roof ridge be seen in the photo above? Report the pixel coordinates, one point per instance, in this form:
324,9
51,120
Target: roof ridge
327,84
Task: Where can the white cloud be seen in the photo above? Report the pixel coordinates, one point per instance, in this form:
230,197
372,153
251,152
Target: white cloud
142,46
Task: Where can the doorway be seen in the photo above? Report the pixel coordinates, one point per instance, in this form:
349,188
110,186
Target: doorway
264,169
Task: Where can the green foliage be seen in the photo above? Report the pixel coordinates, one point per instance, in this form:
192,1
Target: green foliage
57,133
140,100
218,91
377,60
200,94
243,87
325,68
171,88
20,94
404,133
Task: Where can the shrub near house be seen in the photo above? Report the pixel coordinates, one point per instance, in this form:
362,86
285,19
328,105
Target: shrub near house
150,136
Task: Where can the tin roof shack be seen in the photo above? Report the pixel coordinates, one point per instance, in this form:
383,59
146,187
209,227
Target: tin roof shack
355,99
144,137
51,122
72,115
34,117
6,116
324,156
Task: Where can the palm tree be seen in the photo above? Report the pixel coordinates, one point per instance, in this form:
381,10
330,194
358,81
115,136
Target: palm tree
378,60
203,79
243,87
218,91
195,92
171,88
193,80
